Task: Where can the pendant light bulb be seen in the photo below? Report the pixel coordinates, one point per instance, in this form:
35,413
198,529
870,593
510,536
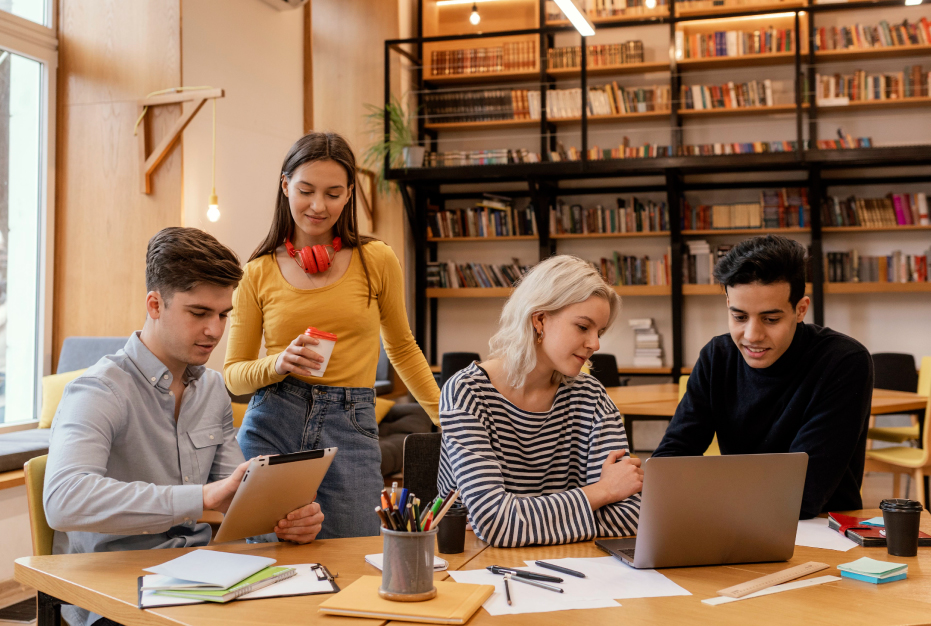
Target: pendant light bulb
213,207
650,4
474,17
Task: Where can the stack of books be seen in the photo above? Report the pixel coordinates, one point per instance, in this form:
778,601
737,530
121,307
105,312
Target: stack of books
648,347
873,571
756,93
494,216
632,215
851,267
734,43
452,275
631,270
601,55
698,265
857,37
511,57
896,209
838,90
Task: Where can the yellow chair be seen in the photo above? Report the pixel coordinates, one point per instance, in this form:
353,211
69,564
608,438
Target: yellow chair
905,460
239,412
901,434
713,449
41,532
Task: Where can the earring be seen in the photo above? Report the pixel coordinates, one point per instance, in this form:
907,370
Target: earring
540,337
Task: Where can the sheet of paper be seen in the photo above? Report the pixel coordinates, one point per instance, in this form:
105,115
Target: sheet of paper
223,569
870,567
376,560
814,533
526,598
798,584
874,521
607,577
302,583
150,598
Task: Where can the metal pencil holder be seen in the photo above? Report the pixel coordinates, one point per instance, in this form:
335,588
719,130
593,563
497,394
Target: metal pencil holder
407,566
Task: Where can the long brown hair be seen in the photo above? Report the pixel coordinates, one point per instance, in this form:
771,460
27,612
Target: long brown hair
315,146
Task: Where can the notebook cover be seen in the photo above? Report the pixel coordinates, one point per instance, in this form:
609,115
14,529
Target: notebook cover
268,576
454,602
866,536
873,579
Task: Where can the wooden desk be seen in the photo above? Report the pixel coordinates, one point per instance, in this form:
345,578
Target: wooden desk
845,602
105,583
888,401
643,393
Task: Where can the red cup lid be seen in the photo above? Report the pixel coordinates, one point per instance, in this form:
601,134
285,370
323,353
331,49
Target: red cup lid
319,334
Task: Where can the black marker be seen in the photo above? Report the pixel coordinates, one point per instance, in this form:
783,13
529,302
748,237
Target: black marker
557,568
516,573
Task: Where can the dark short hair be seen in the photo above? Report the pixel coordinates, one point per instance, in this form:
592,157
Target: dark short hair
179,259
766,259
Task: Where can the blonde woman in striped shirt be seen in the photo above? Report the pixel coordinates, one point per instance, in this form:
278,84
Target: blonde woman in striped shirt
536,447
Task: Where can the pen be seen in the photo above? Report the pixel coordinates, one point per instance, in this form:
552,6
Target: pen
507,588
449,503
402,499
557,568
526,581
497,569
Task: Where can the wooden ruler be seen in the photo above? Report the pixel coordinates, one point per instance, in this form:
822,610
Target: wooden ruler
764,582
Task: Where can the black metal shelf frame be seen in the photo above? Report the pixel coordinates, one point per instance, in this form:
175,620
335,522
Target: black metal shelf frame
540,181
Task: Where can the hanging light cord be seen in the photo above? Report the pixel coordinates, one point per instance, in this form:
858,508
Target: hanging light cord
214,176
171,90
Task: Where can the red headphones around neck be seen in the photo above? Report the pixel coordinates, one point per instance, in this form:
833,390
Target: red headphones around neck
313,259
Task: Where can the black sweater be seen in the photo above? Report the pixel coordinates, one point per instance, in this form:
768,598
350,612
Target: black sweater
815,399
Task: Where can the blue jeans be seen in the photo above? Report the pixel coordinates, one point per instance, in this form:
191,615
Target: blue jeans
294,416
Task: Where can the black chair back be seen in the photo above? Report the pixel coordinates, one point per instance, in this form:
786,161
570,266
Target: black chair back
604,368
384,377
422,464
895,371
453,362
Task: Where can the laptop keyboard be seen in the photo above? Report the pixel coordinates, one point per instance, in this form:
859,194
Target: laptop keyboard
629,553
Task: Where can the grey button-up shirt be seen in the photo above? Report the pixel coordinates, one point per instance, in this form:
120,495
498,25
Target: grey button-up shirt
122,474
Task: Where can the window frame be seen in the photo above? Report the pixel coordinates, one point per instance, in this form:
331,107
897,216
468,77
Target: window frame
40,43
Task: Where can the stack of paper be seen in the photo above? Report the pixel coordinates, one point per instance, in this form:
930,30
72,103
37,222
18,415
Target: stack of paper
873,571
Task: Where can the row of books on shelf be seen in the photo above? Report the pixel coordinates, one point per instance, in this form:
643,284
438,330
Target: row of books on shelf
482,221
599,55
733,43
480,105
698,264
622,270
604,8
515,56
609,99
896,209
755,93
501,156
632,215
777,208
840,89
883,35
452,275
847,267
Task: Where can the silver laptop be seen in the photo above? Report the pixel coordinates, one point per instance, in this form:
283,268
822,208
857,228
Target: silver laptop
711,510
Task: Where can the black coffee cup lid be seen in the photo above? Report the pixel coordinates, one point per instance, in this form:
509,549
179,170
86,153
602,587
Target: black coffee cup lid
900,504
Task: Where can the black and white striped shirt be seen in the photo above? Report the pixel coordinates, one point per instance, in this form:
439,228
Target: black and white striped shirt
521,473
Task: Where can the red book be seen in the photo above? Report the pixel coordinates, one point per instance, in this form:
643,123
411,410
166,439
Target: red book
866,536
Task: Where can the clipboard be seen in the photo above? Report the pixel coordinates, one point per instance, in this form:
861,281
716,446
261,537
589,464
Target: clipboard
311,579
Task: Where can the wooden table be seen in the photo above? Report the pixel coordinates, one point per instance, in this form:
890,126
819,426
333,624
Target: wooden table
106,584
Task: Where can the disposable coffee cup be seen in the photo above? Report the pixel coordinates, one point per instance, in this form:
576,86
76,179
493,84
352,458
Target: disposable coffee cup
324,348
451,536
901,518
407,566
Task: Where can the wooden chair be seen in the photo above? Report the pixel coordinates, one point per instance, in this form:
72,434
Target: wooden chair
897,377
713,449
42,534
915,462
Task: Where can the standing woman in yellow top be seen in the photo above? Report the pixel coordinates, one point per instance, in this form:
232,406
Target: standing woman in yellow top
350,286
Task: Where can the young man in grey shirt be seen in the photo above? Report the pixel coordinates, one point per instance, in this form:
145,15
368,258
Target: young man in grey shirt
143,442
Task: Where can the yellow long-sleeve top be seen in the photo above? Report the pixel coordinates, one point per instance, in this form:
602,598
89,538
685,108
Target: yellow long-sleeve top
266,303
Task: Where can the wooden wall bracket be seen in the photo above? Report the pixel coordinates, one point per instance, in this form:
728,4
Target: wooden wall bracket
148,163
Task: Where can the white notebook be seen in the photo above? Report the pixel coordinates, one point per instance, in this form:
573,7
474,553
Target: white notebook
205,569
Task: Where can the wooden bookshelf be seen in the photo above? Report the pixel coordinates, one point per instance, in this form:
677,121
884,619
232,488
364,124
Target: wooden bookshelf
592,119
895,103
762,110
483,77
603,70
855,54
483,239
652,233
748,60
469,292
636,14
489,125
877,287
746,231
711,8
873,229
643,290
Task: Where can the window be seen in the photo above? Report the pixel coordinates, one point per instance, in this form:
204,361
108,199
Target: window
28,63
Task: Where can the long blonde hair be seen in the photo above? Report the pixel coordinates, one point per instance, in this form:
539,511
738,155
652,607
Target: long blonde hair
550,286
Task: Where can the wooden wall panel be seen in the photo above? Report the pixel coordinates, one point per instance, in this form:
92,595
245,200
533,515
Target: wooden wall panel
111,53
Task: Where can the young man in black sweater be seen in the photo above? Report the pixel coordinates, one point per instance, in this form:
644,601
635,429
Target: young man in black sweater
776,384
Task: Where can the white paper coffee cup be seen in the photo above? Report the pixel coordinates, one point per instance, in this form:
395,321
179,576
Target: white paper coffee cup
324,348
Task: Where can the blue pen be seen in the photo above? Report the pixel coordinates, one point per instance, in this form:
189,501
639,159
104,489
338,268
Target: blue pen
402,501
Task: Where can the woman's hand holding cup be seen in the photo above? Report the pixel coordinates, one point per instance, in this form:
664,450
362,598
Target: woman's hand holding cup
298,358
